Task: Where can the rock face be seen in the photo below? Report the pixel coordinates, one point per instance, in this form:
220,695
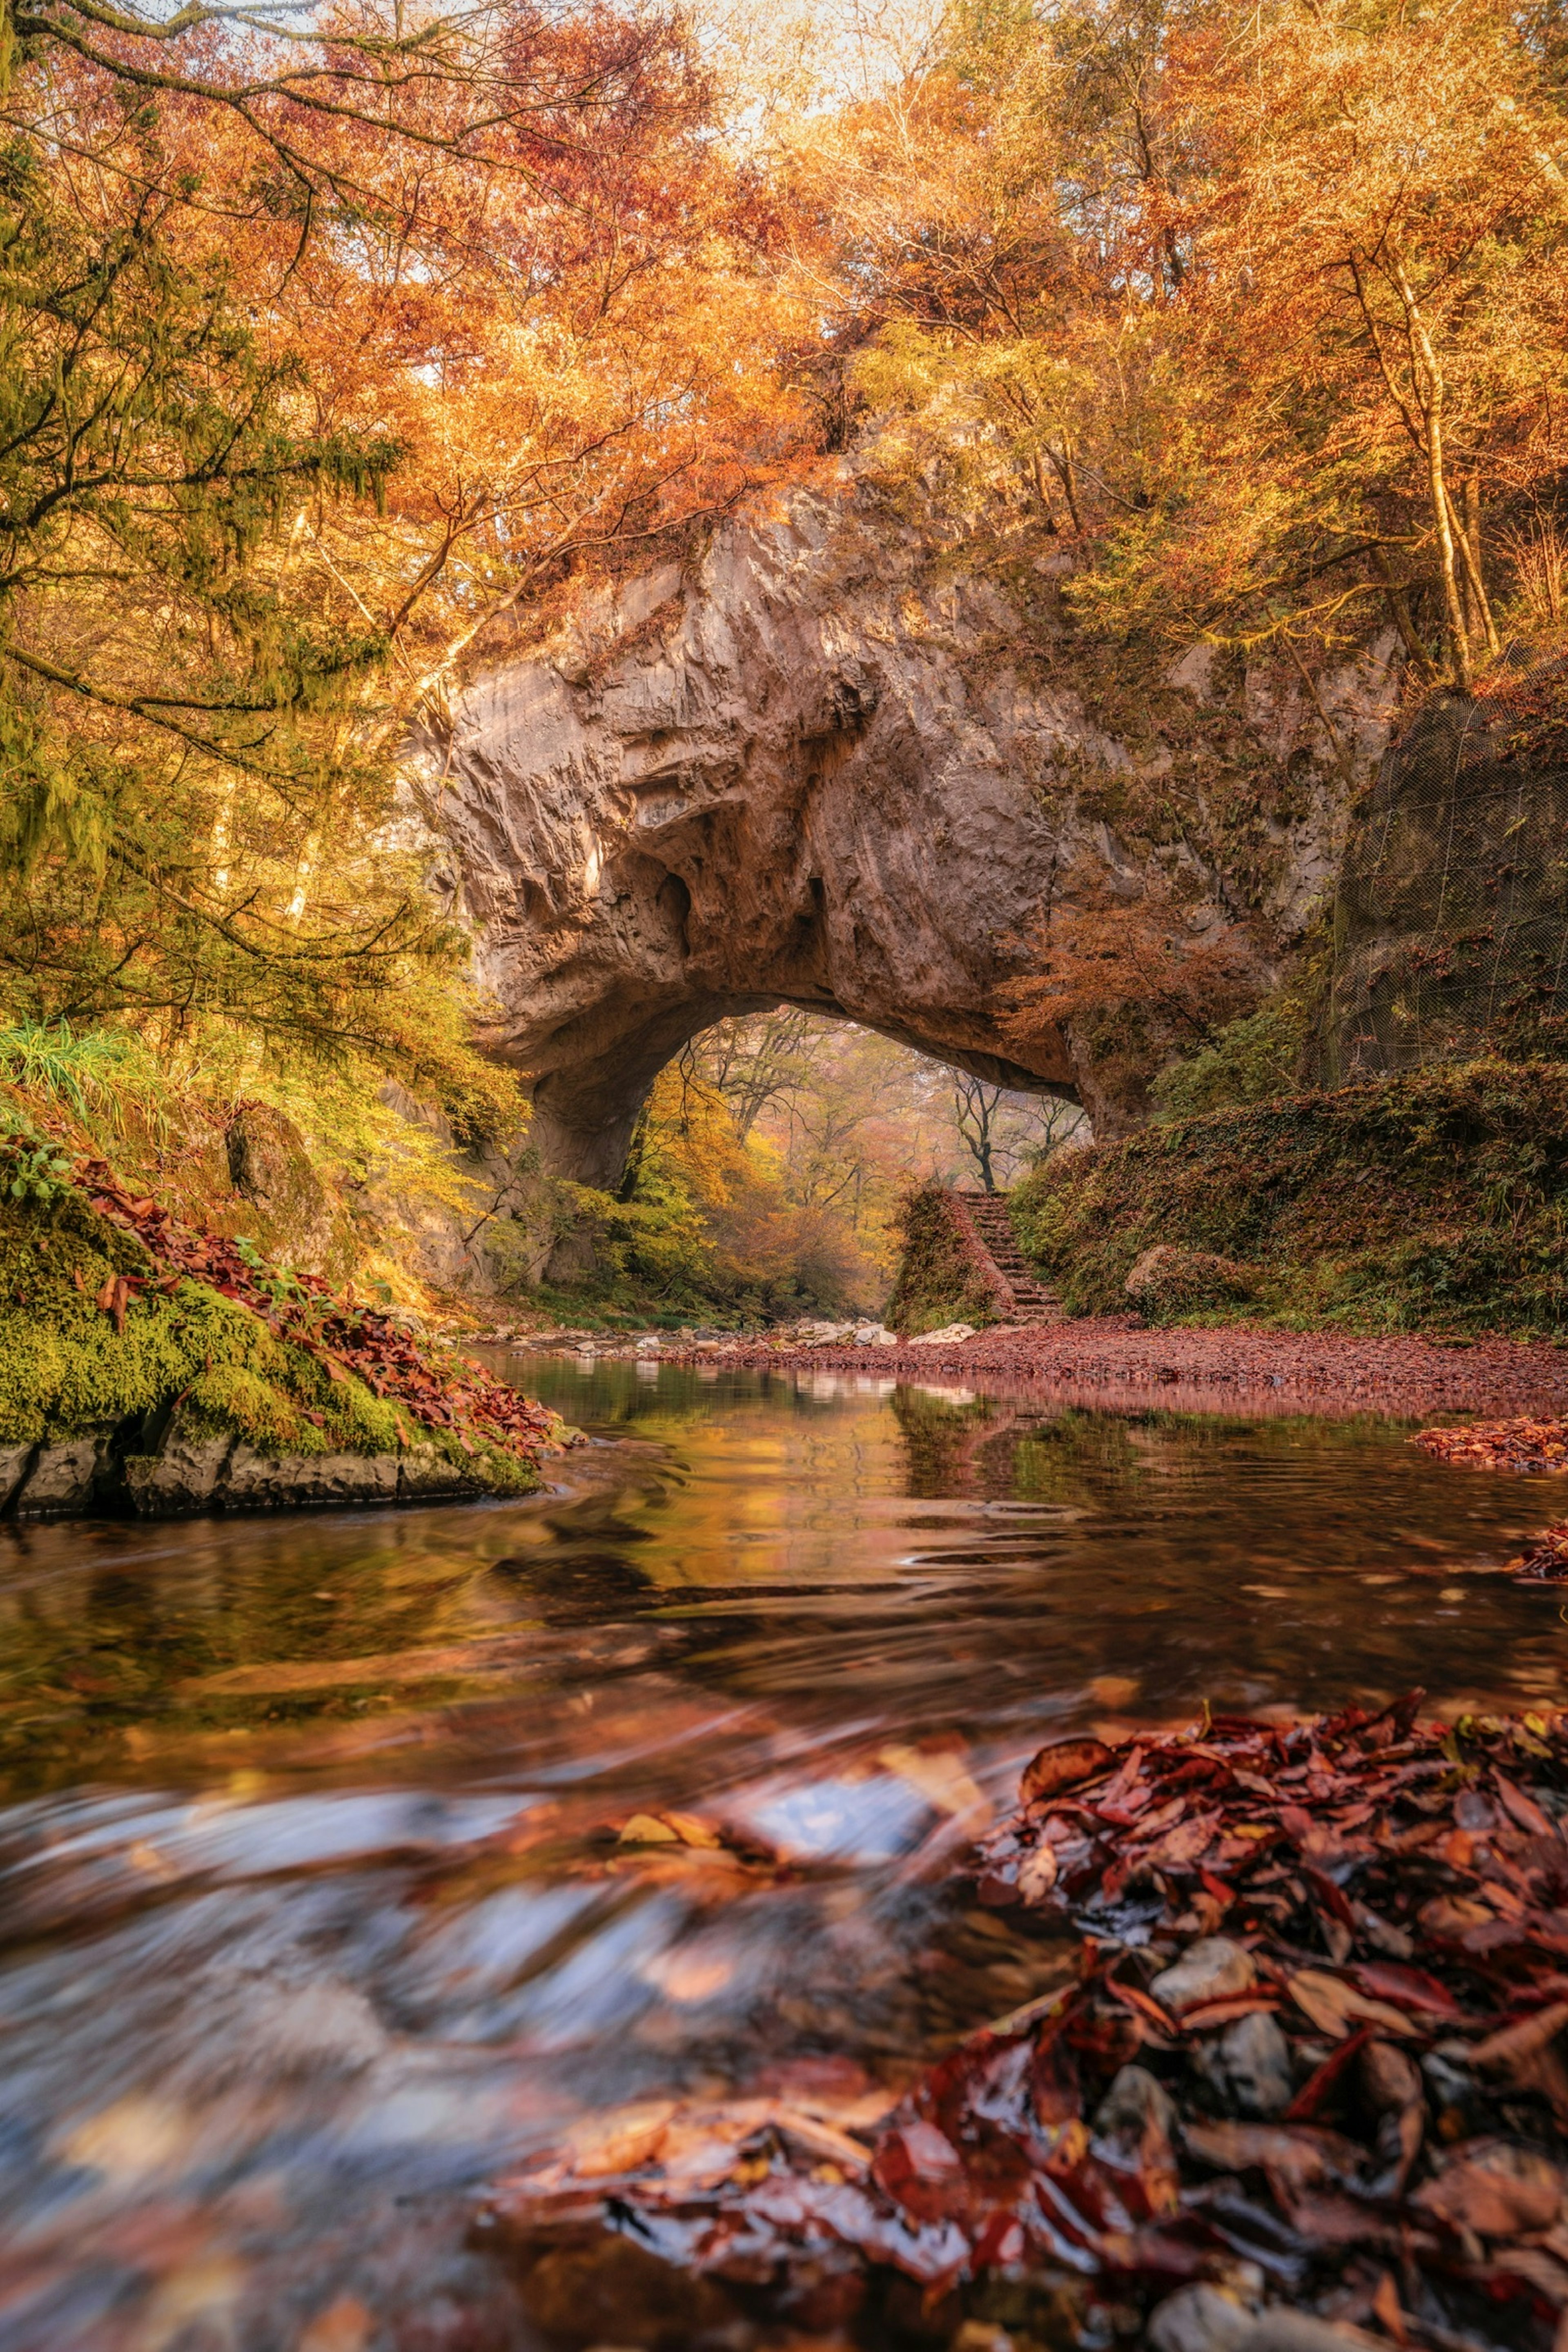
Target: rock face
809,770
195,1470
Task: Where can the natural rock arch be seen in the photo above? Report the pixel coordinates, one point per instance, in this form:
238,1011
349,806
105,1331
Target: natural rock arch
798,772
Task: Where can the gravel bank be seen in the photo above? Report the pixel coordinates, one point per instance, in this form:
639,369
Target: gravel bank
1102,1361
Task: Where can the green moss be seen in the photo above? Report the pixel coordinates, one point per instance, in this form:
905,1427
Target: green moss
940,1281
1434,1200
64,1366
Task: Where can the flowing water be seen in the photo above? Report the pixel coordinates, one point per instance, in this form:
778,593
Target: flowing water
313,1917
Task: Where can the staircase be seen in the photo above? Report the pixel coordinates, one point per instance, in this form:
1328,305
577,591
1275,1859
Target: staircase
1031,1302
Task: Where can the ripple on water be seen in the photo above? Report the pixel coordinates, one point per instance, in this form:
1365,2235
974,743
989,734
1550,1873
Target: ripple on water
314,1912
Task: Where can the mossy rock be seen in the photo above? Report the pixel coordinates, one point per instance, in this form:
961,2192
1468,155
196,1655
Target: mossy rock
65,1368
1168,1282
288,1211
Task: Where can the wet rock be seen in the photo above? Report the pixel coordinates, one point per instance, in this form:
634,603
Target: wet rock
1207,1971
1134,2105
263,1481
1390,2079
63,1475
1199,2320
1249,2065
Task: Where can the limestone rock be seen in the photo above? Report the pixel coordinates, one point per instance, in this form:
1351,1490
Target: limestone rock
810,767
14,1460
184,1475
947,1337
64,1476
427,1475
262,1481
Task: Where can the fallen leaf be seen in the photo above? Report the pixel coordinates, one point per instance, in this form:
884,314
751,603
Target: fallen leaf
1496,2188
1330,2003
647,1829
1062,1766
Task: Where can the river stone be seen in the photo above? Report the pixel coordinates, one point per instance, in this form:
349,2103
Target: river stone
1249,2066
1301,2331
1207,1971
283,1481
1199,2320
1134,2102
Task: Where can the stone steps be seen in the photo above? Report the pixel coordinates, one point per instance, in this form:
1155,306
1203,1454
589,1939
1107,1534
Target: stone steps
1032,1300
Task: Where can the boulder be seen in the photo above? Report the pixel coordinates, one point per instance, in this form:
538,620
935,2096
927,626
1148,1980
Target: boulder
947,1337
184,1475
296,1219
1168,1280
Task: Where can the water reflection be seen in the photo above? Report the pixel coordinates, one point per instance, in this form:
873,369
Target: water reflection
313,1908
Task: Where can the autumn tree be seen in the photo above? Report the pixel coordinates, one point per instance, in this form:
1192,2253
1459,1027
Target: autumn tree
331,347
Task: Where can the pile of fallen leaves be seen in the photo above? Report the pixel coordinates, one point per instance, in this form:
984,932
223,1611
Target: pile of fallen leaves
440,1388
1312,2061
1518,1444
1547,1557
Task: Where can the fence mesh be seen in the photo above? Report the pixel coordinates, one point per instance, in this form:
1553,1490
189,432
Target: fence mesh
1451,917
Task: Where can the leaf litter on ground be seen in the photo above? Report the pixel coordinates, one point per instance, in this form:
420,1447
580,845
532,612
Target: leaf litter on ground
1307,2088
437,1387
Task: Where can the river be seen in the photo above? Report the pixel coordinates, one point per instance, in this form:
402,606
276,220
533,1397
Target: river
313,1917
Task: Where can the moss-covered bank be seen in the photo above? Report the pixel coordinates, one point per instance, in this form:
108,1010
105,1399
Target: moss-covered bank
944,1275
1436,1201
96,1338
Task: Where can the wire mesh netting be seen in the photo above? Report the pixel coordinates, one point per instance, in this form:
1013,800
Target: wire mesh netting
1451,917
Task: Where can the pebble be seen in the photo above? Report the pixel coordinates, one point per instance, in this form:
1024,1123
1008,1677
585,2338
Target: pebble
1207,1971
1250,2066
1199,2320
1134,2101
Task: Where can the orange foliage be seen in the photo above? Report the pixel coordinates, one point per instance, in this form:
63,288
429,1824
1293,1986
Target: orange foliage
1102,956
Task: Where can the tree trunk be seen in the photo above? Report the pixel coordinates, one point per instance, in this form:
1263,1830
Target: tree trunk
1431,402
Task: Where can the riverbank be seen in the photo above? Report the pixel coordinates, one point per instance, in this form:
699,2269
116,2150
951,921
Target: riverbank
1102,1358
